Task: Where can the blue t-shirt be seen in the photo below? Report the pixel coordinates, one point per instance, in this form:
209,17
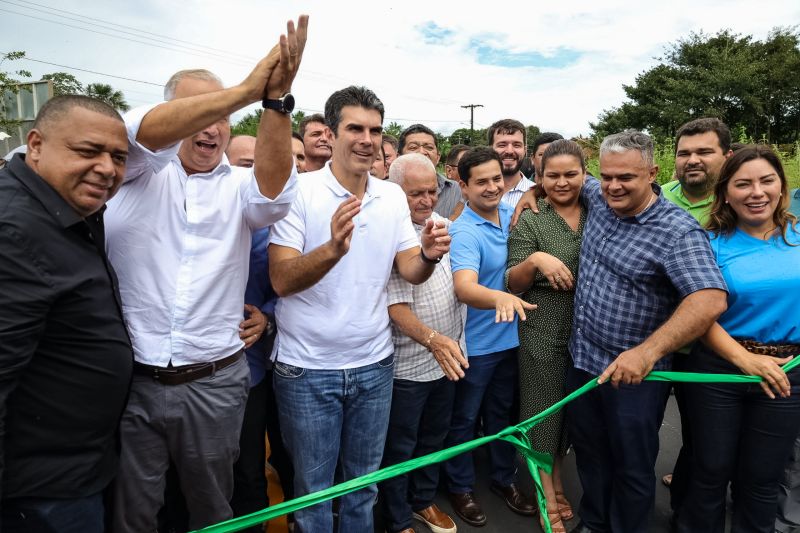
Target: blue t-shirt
482,246
763,280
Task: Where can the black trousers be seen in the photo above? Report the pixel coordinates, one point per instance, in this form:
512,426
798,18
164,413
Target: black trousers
739,435
615,436
249,478
682,471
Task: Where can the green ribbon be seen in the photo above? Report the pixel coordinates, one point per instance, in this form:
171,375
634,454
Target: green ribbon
516,435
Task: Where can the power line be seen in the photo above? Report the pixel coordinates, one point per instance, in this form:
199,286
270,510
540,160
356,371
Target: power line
123,38
92,71
145,32
471,108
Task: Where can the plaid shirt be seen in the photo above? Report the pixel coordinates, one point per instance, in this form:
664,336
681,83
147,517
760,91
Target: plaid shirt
633,273
435,304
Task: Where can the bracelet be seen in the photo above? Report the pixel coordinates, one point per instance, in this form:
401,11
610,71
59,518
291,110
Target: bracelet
431,336
426,259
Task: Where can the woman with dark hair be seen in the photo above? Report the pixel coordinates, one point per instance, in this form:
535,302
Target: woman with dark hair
743,432
543,265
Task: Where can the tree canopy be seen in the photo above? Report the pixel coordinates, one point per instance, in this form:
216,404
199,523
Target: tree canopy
749,84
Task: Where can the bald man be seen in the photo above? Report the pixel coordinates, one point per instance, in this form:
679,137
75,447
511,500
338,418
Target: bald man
65,356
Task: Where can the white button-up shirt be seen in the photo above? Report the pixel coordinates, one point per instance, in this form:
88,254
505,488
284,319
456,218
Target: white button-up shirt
511,197
180,246
342,321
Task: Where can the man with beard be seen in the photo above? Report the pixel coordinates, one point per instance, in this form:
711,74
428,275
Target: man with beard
701,147
507,139
317,139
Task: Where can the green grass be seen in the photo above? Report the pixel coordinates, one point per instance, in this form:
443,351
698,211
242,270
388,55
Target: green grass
665,159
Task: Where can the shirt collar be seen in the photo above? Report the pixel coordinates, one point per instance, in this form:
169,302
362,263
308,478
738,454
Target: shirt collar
678,190
475,218
53,203
223,167
653,210
371,191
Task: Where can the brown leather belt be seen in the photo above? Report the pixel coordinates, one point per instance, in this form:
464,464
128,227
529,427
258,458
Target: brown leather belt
177,375
776,350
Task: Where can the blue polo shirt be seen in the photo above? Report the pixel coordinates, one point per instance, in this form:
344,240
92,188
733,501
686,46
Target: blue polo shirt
482,246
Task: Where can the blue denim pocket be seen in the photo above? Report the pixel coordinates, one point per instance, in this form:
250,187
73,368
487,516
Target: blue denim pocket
288,371
386,362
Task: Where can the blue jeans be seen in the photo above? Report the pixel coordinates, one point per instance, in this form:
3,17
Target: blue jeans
418,425
615,436
490,380
328,416
43,515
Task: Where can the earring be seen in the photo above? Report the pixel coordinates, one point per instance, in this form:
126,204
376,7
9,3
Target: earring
726,201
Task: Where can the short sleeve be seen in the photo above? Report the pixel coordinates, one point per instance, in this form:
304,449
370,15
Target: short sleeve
290,231
591,195
465,251
398,290
691,265
142,160
407,237
522,241
260,211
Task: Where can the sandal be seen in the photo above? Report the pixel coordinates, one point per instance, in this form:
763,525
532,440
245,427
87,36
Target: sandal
554,517
564,507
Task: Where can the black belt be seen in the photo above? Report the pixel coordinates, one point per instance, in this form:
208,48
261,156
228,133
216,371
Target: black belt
177,375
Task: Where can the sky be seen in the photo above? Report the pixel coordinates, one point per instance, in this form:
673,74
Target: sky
556,65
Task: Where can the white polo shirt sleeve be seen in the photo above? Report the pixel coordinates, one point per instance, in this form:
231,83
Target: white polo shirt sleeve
290,231
142,160
407,236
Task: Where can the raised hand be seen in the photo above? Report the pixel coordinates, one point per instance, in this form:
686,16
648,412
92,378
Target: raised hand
342,225
434,239
281,63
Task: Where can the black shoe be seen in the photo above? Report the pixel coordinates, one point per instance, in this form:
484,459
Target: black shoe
516,501
467,508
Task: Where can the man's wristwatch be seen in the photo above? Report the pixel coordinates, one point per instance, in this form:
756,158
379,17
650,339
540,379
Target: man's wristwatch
427,259
284,104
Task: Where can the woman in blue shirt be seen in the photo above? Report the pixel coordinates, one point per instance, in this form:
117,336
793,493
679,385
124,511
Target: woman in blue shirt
745,432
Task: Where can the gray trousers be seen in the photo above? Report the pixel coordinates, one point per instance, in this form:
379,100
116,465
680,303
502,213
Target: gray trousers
788,520
197,425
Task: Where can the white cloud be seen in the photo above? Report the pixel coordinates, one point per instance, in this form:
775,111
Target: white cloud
379,45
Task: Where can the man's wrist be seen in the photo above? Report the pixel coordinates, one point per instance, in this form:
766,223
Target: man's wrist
428,260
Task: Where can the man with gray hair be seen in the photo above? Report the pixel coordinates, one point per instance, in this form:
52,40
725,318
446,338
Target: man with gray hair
648,285
427,333
179,235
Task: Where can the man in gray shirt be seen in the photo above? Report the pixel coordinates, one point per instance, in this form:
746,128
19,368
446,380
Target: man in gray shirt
427,328
420,139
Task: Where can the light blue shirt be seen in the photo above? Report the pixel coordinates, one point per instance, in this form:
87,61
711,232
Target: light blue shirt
763,279
482,246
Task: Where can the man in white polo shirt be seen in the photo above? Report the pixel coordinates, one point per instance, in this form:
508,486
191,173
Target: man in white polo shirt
330,259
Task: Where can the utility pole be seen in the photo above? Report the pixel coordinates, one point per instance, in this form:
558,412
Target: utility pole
471,108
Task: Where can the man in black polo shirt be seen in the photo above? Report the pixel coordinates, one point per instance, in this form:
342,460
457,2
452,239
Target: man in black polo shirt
65,356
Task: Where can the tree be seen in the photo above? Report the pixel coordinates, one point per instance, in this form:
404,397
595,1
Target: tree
468,137
297,117
248,125
107,94
745,82
9,83
64,83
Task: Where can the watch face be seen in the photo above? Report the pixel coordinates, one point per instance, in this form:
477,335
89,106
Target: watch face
288,103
